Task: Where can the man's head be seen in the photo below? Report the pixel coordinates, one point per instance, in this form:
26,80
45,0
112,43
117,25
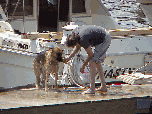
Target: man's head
72,40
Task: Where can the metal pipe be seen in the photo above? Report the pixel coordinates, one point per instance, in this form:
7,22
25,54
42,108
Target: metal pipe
58,25
15,10
37,14
70,10
23,18
6,9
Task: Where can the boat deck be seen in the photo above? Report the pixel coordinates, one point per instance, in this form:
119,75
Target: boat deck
119,99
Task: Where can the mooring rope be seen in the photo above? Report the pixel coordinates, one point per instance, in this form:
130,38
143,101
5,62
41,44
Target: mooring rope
143,66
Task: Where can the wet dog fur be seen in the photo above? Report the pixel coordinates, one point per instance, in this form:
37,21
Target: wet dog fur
45,63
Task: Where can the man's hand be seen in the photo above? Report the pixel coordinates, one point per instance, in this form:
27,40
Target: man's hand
65,60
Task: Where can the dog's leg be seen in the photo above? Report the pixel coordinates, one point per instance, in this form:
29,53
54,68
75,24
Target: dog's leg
37,72
56,78
56,84
46,82
47,78
43,77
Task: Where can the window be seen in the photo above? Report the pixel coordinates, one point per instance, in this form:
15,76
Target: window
63,10
28,5
78,6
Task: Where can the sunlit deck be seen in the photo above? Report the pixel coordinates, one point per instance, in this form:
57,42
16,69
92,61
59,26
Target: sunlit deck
119,99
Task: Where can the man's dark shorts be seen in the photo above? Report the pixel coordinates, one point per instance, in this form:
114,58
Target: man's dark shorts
100,49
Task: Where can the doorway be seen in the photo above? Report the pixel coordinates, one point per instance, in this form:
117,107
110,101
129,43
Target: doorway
48,15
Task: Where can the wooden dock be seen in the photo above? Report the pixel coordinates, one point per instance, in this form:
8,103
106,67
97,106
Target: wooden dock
120,99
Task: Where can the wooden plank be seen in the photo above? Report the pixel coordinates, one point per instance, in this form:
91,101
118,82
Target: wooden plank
127,32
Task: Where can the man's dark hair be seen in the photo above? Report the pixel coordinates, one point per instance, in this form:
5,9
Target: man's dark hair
72,40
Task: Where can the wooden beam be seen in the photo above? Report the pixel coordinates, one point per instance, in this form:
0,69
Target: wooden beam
128,32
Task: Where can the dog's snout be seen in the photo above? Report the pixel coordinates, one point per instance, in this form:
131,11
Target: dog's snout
59,57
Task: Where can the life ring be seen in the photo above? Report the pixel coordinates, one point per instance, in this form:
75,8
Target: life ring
75,75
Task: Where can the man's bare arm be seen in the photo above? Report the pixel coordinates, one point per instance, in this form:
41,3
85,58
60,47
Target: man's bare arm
90,55
75,50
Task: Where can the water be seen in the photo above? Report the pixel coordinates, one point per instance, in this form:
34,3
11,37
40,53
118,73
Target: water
32,97
127,13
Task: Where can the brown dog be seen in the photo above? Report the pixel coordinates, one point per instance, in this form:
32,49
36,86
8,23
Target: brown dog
45,63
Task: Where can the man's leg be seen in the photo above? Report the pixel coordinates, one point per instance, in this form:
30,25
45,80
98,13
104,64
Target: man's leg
102,78
92,74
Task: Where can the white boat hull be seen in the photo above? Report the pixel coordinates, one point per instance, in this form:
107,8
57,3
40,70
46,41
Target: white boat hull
16,68
13,76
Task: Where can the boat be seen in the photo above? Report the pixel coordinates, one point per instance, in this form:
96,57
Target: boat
30,18
23,37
